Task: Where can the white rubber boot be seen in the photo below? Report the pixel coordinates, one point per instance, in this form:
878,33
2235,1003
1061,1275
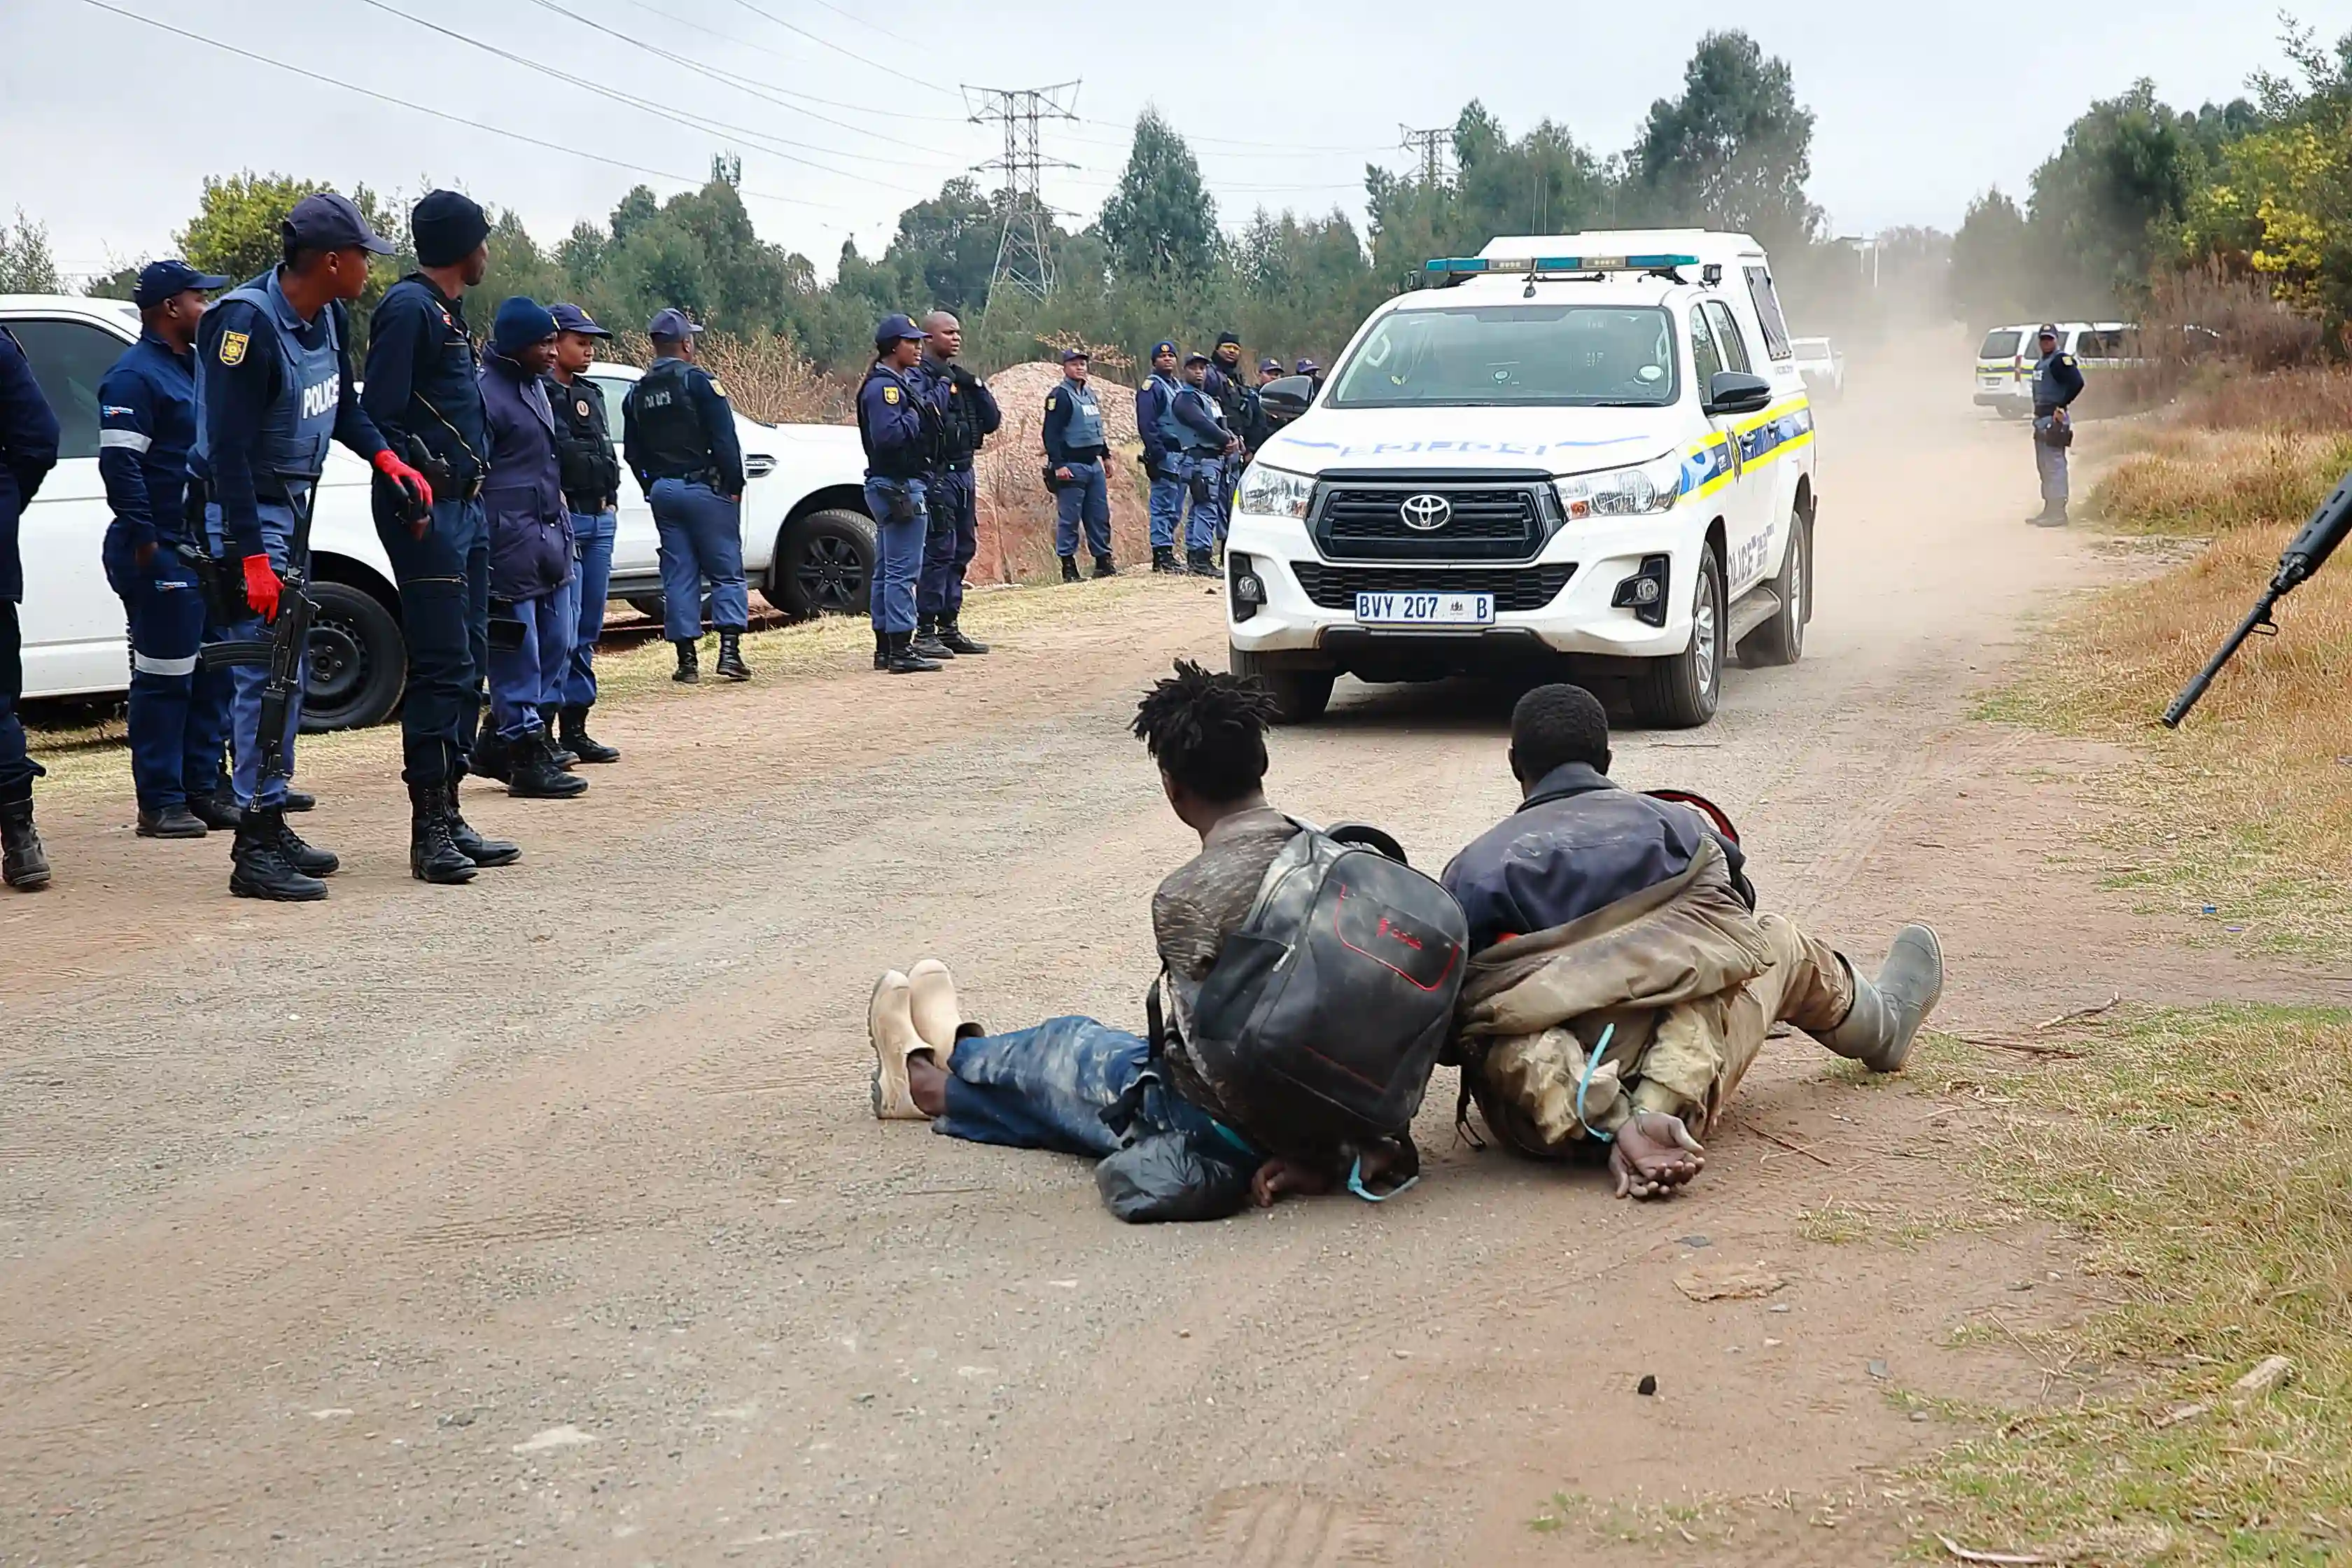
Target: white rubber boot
937,1015
1886,1016
890,1027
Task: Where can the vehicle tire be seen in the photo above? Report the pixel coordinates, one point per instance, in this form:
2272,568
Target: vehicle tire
1680,692
358,663
1782,639
824,565
649,605
1299,695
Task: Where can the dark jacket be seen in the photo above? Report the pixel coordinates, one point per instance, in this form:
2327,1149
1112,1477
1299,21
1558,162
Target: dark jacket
421,376
677,424
1578,843
28,451
146,427
968,410
584,447
522,497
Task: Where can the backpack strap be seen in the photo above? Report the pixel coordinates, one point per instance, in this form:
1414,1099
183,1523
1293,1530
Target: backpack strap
1700,804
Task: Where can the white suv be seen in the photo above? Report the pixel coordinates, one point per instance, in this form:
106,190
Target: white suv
1596,446
807,542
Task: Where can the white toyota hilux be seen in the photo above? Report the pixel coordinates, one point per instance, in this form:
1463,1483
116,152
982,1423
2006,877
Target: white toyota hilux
1589,450
808,543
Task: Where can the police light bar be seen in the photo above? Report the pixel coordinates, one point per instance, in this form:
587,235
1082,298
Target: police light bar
1470,264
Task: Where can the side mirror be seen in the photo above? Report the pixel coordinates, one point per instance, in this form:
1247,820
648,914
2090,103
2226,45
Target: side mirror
1286,398
1737,392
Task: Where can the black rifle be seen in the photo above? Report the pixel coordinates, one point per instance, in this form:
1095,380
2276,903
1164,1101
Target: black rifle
290,634
2306,553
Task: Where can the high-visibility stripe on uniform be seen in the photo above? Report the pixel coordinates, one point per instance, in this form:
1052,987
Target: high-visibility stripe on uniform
146,664
131,441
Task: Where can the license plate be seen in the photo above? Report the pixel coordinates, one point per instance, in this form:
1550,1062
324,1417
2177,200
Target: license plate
1426,609
1990,382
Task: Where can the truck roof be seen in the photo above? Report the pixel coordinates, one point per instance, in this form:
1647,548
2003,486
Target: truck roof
1707,245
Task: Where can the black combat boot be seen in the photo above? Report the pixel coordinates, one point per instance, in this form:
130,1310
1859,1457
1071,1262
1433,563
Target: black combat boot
218,812
927,643
432,852
483,852
535,775
686,673
881,650
563,755
491,758
1104,568
905,660
1164,559
1201,563
300,800
258,869
308,859
951,637
731,657
23,865
172,822
1069,569
573,724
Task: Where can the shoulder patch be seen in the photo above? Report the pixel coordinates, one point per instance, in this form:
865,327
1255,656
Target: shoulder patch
715,388
2066,360
1052,402
889,394
233,346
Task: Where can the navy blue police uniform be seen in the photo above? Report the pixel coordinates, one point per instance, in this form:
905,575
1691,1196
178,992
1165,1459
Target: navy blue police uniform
677,436
968,416
899,427
591,490
1076,444
2057,381
1201,429
1163,457
28,451
179,708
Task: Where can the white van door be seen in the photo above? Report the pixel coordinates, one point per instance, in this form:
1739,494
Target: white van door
75,634
1717,342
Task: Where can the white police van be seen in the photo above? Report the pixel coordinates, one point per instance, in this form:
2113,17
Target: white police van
1596,446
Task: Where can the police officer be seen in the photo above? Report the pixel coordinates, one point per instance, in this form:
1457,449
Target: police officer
147,424
424,393
1228,383
1208,444
1076,450
28,451
273,389
1312,372
677,433
968,416
591,490
901,429
1163,453
2057,381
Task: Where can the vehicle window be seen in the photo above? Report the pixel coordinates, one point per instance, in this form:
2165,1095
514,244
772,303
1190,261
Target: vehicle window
1813,351
1728,342
614,389
1706,358
69,359
1768,312
1512,356
1999,345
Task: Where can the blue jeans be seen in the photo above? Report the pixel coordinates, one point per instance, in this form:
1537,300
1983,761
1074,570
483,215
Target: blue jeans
2050,462
899,551
1086,498
1047,1087
949,542
520,677
1207,525
246,680
592,581
179,710
701,536
1168,503
444,619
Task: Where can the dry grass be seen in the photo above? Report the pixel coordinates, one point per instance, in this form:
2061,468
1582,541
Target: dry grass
765,377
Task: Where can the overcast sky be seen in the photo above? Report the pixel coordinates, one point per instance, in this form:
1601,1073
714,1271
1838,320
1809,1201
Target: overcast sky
846,112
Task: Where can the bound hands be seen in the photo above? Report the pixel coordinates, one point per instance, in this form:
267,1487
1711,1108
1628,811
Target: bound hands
413,486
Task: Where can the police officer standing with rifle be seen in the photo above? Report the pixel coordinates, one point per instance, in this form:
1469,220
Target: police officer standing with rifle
968,416
273,389
677,433
424,393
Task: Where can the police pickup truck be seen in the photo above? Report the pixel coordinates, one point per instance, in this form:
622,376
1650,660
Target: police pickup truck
807,542
1590,449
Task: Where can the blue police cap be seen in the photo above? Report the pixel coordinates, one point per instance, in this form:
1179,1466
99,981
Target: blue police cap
1069,354
897,328
671,323
572,318
1196,357
1272,365
159,280
1162,347
1304,367
328,221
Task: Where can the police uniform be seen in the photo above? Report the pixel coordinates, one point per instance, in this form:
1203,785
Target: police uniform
968,416
1163,457
900,429
1075,441
28,451
273,391
1228,385
1202,431
179,708
678,437
591,490
2057,381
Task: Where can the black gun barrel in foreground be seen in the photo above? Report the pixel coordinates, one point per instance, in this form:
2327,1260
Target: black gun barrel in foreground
2305,554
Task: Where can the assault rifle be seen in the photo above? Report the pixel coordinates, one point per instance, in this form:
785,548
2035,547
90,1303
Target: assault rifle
2306,553
290,634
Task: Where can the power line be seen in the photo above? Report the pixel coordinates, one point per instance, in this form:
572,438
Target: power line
1025,256
866,109
1432,145
892,71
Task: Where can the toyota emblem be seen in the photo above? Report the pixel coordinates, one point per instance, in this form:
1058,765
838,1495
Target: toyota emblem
1426,513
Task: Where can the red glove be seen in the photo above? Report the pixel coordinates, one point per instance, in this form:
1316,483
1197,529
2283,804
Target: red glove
261,586
420,494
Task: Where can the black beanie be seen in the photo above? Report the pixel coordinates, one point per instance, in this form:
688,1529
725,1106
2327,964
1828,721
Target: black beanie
446,226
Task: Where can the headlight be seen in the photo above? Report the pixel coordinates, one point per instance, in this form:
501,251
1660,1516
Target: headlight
1275,492
1623,492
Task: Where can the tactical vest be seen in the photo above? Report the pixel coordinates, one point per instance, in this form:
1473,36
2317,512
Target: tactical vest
1086,426
297,428
1170,434
1186,439
900,462
669,427
959,434
2047,393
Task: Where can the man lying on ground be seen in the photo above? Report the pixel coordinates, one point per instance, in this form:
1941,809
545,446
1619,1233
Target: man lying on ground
1081,1086
1622,981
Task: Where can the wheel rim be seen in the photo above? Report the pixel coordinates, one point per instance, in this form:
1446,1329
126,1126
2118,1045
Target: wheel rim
1800,568
829,574
1703,633
337,660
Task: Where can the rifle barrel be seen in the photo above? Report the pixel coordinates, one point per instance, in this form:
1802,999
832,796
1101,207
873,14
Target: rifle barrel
2256,618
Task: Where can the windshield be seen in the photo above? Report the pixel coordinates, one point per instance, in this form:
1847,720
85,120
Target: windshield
1998,345
1512,356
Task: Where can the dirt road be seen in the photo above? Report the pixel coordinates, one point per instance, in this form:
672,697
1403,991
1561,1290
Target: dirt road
545,1219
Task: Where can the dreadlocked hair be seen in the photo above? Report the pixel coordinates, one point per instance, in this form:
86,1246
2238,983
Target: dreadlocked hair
1207,730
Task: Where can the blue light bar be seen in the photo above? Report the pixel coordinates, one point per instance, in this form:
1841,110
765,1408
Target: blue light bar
1472,264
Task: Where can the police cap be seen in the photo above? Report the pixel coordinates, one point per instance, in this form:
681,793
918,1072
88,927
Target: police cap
1196,357
896,328
159,280
2048,331
1069,354
671,323
329,221
1304,367
572,318
1163,347
1272,365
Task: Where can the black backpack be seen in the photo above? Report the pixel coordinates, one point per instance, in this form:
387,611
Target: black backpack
1326,1009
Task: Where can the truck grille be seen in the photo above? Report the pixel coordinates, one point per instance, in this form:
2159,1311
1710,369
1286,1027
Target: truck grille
1481,523
1516,588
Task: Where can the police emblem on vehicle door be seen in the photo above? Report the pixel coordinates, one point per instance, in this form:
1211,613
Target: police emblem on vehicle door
1426,513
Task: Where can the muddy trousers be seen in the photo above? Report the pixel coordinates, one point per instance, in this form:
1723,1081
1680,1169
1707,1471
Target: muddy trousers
1808,987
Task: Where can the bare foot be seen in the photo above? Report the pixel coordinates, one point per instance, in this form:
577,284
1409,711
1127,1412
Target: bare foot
1279,1175
1653,1154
